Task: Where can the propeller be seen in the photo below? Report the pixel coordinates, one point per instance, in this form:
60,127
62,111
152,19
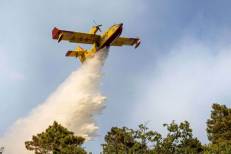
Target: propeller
97,26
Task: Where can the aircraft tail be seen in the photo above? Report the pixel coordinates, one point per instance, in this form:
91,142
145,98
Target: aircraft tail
78,52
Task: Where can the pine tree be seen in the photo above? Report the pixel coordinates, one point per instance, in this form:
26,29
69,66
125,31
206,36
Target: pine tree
56,139
219,125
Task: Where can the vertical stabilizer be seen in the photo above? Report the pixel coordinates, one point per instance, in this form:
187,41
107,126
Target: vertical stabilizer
79,48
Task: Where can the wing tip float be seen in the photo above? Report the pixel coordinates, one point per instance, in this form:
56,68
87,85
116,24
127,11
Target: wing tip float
137,44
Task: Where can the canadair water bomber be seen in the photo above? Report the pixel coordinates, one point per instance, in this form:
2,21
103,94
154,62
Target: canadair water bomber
109,38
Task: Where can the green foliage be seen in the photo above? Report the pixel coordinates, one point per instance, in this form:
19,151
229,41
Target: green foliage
219,126
146,139
56,139
219,130
119,140
219,148
179,140
124,140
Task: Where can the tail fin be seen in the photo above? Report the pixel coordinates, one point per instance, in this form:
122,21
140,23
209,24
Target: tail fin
79,48
78,52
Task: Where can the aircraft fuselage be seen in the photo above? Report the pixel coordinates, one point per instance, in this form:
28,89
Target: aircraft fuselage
110,35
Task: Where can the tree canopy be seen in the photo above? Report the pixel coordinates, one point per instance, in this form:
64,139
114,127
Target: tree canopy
219,125
56,139
179,138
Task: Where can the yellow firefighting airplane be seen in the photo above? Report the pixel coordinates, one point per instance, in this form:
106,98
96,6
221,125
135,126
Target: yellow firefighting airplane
110,38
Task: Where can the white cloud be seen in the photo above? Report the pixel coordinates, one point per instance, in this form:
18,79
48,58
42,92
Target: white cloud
8,71
185,84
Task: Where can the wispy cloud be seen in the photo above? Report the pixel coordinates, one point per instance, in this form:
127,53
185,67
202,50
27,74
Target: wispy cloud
8,71
185,84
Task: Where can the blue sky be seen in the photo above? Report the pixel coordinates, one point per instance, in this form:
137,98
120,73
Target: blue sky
180,69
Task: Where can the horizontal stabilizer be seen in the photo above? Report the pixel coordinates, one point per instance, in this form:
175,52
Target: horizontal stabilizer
72,54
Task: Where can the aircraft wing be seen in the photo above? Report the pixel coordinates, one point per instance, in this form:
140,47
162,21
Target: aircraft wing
76,37
126,41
